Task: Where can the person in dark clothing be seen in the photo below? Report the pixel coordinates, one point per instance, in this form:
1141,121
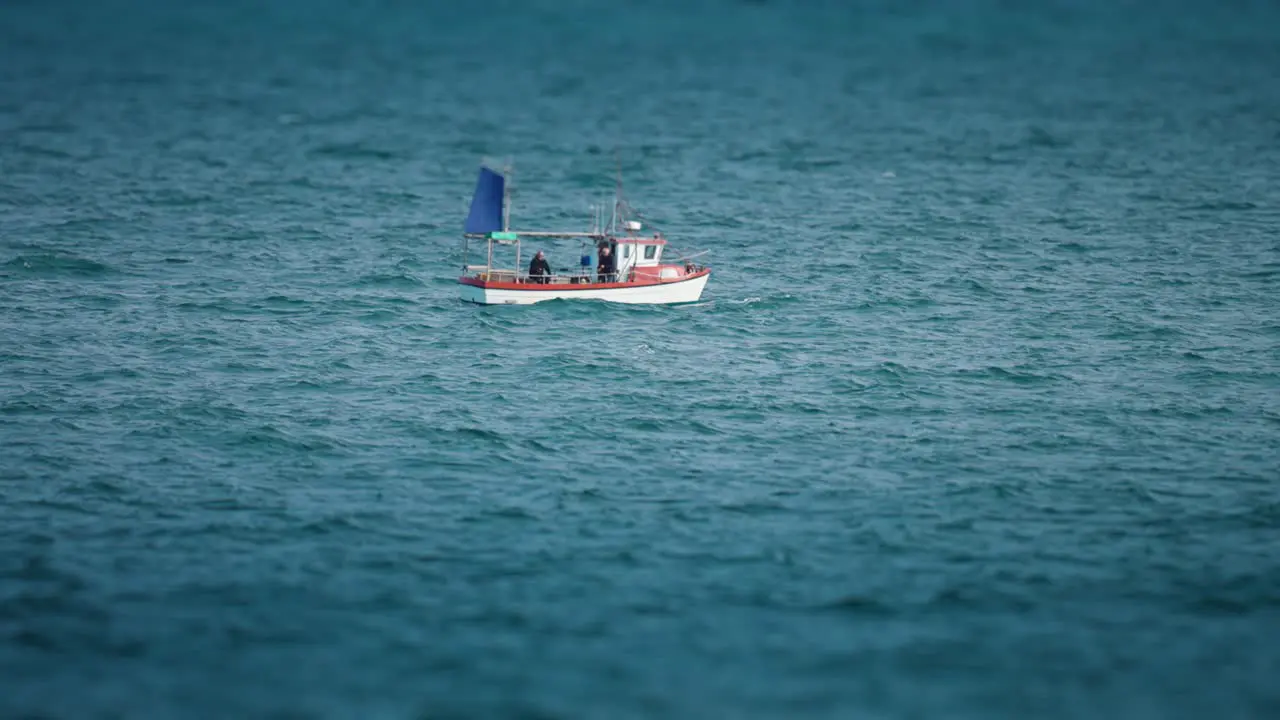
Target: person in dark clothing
607,270
539,269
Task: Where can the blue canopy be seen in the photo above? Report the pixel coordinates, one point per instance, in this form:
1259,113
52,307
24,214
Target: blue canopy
486,203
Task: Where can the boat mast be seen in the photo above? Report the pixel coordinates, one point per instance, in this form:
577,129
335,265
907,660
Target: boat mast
506,197
617,192
506,210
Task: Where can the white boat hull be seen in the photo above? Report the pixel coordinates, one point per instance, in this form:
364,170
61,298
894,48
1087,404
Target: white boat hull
665,293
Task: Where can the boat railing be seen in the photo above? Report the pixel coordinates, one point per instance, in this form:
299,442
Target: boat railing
563,276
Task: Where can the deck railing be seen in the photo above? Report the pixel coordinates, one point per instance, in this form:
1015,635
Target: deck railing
565,276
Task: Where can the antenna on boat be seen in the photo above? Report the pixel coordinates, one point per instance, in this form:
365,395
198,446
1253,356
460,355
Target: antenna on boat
506,196
617,192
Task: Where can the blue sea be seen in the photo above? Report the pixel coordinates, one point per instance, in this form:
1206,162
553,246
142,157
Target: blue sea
978,417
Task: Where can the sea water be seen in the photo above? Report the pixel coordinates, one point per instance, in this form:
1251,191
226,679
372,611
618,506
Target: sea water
979,415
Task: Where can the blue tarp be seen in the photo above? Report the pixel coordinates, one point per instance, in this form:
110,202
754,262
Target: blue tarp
486,203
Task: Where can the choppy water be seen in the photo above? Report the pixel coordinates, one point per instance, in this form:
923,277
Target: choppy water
979,416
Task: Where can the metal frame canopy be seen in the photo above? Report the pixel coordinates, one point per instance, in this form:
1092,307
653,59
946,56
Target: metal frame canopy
490,219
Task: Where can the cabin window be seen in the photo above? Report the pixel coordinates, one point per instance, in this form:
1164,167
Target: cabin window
626,251
650,251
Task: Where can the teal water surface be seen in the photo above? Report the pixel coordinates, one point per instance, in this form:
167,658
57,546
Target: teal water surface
978,417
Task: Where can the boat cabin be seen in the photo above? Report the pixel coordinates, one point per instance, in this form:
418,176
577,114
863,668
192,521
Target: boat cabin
640,258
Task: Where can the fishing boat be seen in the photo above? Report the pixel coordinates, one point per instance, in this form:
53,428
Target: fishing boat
641,274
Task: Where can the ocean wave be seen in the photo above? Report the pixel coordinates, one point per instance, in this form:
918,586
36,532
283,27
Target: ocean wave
1225,205
270,437
57,264
353,151
389,280
1017,376
285,305
757,303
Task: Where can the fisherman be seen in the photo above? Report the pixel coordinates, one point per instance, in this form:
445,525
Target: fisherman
539,269
607,270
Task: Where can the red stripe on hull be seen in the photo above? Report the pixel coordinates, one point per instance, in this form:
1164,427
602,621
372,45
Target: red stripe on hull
563,287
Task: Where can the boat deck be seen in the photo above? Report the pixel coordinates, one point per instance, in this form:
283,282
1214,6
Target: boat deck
511,280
